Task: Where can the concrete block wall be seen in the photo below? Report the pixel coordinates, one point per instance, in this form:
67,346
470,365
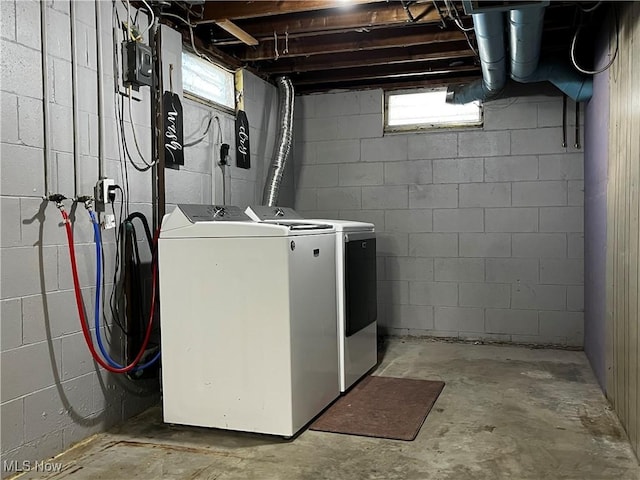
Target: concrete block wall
480,231
52,394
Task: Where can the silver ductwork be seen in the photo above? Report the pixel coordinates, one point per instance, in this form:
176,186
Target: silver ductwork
489,28
283,142
525,38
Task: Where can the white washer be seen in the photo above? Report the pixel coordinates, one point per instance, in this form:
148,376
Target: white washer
248,334
356,289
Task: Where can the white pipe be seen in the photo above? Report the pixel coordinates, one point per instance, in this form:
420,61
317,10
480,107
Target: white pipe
100,90
46,109
75,96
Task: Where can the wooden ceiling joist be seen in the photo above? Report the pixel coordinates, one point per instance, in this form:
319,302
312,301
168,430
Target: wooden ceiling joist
391,83
237,32
417,70
235,10
382,15
349,42
387,56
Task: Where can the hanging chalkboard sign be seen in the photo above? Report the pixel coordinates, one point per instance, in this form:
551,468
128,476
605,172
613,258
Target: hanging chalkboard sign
243,150
172,130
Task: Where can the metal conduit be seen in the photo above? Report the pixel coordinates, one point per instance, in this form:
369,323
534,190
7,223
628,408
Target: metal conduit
46,99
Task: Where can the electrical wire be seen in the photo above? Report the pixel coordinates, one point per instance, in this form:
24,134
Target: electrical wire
191,36
222,163
79,304
129,21
452,13
135,137
455,16
204,135
224,184
139,168
591,9
217,119
151,21
135,22
613,57
115,299
105,353
173,15
124,171
193,43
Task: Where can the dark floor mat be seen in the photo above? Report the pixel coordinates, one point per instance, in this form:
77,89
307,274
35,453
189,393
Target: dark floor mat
382,407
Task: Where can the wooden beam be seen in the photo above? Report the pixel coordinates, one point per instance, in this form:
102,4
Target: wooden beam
350,42
215,11
327,22
387,56
421,69
390,84
237,32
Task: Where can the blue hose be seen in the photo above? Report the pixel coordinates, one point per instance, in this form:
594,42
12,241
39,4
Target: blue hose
98,241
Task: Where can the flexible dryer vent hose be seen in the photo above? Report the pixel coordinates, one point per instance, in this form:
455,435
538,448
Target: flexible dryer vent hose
283,142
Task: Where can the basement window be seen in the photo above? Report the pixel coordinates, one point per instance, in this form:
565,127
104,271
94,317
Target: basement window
427,109
207,82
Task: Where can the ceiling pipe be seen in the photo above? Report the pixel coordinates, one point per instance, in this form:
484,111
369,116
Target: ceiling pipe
561,74
489,28
525,37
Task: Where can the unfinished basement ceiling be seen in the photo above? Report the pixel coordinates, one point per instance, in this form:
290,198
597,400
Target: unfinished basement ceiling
328,44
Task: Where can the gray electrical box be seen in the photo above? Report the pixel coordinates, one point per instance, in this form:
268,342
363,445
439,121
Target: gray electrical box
137,60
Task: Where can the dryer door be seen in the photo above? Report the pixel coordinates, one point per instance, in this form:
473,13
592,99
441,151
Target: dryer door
360,281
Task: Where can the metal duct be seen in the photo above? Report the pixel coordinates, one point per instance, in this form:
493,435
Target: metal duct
283,143
560,73
525,37
489,28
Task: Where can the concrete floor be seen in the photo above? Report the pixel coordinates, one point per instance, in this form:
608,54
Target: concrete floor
505,413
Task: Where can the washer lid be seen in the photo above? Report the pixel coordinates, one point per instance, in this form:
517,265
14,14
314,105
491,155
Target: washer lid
347,225
301,225
209,221
260,213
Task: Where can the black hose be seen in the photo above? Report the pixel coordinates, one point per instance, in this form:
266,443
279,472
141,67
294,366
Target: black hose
145,224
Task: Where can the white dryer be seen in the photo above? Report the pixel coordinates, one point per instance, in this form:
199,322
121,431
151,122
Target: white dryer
248,329
356,289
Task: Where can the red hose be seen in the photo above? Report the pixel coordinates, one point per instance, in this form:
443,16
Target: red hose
83,319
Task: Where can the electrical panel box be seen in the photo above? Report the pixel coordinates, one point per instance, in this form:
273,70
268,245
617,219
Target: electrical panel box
137,60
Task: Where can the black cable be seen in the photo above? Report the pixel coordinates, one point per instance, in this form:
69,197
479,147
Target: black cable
126,146
117,296
145,224
572,50
136,283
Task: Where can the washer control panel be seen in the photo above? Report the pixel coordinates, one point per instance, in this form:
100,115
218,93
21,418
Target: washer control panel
214,213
